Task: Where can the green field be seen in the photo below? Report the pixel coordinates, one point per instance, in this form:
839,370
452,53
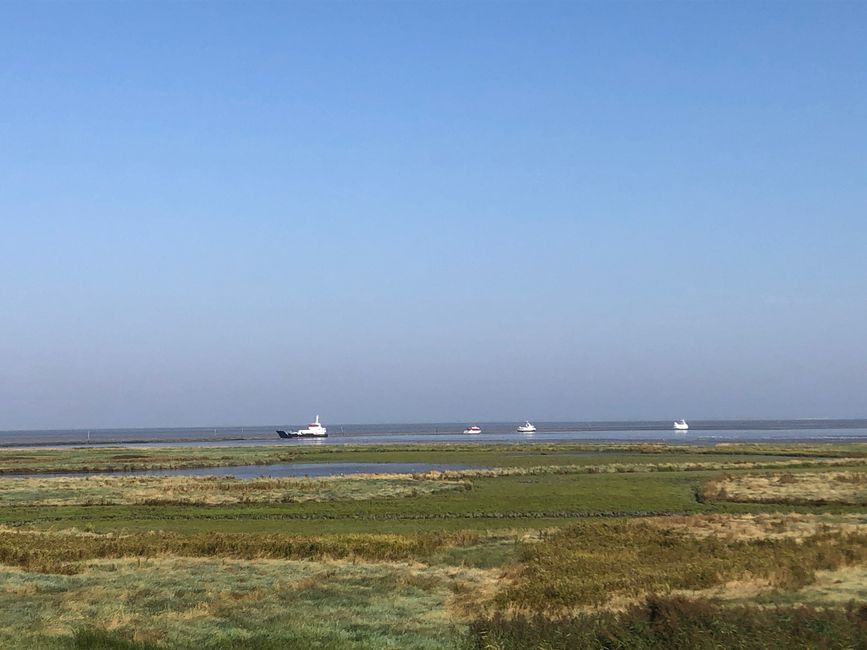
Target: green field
543,540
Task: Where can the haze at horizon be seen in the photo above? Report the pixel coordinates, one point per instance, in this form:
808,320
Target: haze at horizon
431,212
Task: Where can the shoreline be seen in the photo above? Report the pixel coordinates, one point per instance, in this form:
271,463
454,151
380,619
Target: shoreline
445,439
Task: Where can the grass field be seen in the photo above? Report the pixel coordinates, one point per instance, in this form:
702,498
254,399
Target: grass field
551,543
87,459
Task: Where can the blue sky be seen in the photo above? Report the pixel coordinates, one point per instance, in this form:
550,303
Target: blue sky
235,213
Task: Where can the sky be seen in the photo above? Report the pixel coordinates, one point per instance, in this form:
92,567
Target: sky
250,213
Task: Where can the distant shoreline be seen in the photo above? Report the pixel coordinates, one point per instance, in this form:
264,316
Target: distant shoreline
641,431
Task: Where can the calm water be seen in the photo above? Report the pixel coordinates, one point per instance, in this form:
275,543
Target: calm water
700,432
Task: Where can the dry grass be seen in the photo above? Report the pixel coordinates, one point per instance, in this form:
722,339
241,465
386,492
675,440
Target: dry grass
210,490
808,488
629,468
835,587
63,553
829,588
677,623
605,563
810,559
740,527
129,458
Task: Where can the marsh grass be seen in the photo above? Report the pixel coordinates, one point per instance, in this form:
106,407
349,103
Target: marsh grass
64,552
122,459
630,468
519,500
830,588
210,490
754,526
536,501
130,458
156,569
676,623
595,562
208,603
802,488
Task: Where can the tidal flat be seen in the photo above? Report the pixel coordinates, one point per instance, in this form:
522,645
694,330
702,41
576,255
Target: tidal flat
550,546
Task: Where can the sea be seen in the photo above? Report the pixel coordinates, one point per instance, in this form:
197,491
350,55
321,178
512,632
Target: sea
700,432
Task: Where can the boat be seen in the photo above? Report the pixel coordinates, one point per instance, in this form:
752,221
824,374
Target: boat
681,426
313,430
526,428
472,429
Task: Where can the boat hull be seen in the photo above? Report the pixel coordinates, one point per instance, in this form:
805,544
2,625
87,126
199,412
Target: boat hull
287,435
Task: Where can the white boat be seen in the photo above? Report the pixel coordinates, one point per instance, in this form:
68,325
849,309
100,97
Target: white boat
681,426
313,430
472,429
527,427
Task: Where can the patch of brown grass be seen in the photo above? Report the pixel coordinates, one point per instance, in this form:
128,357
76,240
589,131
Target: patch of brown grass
807,488
593,562
739,527
212,490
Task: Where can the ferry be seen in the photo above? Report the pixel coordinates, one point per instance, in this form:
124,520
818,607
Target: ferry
472,429
313,430
681,426
526,428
